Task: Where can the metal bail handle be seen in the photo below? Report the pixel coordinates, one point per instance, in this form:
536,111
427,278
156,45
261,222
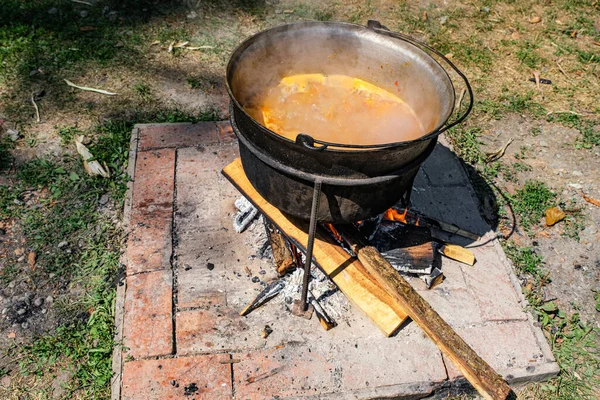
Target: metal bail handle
378,28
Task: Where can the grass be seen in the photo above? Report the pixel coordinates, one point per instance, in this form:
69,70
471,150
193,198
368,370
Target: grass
574,344
68,210
530,203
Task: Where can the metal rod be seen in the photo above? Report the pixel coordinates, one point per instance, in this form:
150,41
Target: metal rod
311,240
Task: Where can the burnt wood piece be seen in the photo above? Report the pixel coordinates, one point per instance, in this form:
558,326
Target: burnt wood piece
272,290
410,249
282,256
345,271
483,378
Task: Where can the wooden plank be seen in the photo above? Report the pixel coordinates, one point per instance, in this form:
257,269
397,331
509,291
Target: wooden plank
483,378
347,272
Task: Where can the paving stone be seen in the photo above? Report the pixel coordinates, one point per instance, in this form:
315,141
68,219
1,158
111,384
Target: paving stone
199,185
148,322
291,371
177,135
226,134
454,205
402,366
154,181
491,286
443,168
455,306
206,377
510,348
149,244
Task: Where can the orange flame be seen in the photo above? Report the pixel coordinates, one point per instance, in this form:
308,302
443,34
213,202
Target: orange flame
335,233
393,215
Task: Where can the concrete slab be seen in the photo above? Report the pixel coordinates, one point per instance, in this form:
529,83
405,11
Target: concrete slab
214,272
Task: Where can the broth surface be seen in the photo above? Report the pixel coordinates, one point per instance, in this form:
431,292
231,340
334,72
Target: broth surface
338,109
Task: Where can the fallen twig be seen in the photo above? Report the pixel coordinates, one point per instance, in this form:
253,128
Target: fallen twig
37,110
460,98
561,69
170,49
181,44
82,2
200,47
89,89
496,155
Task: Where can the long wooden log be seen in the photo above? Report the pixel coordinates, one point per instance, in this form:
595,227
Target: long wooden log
483,378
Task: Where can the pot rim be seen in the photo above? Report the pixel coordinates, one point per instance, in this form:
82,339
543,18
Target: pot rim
327,146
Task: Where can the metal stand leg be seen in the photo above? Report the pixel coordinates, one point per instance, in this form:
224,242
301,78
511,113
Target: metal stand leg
311,240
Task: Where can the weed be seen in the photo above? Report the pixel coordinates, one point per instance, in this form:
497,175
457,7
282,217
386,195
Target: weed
525,259
527,55
530,203
194,83
467,144
323,15
520,167
67,134
5,155
143,90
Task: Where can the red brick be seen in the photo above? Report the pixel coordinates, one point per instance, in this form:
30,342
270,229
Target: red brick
149,244
291,371
165,379
215,329
154,179
178,135
226,134
148,322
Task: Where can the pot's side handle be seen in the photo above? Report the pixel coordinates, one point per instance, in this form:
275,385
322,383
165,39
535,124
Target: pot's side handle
309,142
376,26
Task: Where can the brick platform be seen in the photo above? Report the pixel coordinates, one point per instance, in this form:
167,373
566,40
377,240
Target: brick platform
189,274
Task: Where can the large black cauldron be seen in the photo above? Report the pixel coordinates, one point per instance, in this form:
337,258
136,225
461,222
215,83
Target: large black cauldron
356,182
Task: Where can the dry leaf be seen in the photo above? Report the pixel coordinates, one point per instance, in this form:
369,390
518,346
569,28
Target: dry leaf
554,215
12,335
155,43
31,258
591,200
87,28
535,20
91,166
181,44
19,251
515,35
170,49
424,16
574,34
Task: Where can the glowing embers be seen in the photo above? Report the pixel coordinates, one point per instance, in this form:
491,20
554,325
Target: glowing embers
337,109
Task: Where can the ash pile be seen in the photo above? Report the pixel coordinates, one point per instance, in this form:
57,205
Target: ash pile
399,236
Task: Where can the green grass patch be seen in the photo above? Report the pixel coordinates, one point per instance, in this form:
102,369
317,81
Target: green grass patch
67,209
524,258
530,203
466,143
528,56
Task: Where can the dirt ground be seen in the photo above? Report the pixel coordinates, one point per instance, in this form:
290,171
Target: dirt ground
499,45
